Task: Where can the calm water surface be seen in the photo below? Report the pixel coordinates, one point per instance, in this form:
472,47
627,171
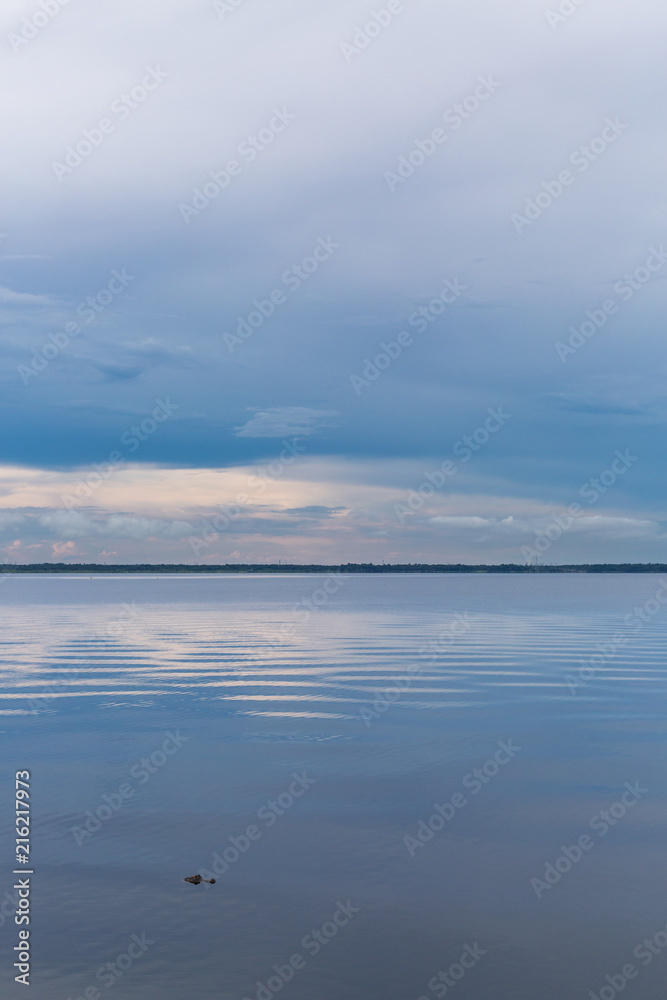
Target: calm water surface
180,710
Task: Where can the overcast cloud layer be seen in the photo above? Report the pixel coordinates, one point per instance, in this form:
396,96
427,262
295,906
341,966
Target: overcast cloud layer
418,315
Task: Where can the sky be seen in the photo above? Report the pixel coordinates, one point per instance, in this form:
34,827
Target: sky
333,282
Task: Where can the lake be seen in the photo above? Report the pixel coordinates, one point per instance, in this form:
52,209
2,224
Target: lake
406,787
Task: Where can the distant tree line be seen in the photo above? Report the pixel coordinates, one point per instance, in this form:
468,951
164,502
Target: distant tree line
322,568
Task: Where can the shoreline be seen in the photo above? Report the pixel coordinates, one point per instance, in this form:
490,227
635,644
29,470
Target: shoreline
350,568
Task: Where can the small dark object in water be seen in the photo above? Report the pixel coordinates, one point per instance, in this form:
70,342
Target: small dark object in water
196,879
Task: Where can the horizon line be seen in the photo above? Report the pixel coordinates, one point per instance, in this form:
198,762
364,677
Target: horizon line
17,568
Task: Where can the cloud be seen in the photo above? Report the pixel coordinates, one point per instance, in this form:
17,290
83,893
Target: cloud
71,524
116,371
25,256
613,528
315,511
63,550
11,521
249,248
130,360
158,352
286,421
466,522
8,297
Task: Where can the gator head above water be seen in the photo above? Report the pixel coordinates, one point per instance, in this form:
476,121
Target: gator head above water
196,879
